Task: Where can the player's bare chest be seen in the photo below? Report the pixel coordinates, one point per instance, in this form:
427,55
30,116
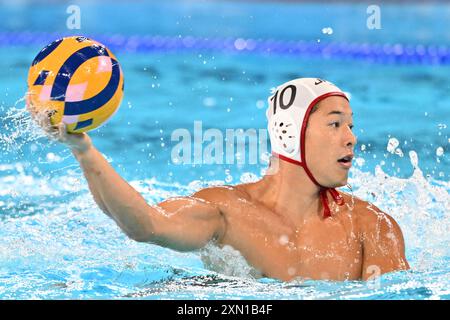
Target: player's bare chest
318,249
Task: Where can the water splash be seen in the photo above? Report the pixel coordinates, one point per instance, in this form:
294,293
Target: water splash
419,205
227,261
18,129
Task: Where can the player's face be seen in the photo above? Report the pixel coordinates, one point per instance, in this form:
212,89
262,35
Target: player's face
330,141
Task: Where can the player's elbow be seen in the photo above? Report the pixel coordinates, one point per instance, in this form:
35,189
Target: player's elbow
140,234
160,239
181,240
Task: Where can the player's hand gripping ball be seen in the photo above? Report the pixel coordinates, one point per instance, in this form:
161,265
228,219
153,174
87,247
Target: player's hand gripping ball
77,81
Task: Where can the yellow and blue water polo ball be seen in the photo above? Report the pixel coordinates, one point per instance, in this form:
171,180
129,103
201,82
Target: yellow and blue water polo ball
75,80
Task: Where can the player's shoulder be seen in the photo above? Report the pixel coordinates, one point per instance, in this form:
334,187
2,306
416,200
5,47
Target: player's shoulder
367,215
220,194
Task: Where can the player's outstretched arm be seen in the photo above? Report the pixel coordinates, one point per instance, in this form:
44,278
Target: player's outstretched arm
181,223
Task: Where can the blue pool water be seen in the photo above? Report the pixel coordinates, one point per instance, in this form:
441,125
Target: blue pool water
55,242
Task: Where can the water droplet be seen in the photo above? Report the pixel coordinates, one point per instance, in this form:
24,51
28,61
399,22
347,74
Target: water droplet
260,104
209,102
414,159
392,144
248,177
50,156
399,152
439,151
360,161
327,30
363,147
228,178
283,240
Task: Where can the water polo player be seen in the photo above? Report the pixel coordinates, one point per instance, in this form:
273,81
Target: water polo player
292,223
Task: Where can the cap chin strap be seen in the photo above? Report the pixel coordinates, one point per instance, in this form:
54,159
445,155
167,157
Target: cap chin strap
338,199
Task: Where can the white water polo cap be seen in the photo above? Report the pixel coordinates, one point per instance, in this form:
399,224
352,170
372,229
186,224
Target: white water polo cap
289,109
